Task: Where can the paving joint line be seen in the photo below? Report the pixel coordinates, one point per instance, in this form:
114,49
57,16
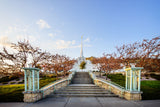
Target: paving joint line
99,102
67,101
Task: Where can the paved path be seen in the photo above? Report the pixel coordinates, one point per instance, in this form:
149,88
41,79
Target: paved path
85,102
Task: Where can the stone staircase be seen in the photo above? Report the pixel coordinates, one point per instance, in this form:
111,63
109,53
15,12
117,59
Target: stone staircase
82,78
82,86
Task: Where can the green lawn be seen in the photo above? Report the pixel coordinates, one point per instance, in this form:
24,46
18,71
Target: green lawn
151,89
9,93
117,78
13,93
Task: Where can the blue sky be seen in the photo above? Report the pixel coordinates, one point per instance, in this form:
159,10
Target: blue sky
57,25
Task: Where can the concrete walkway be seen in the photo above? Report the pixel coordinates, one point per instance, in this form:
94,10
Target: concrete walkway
85,102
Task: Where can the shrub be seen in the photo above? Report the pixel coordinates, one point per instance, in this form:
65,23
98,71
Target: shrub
8,78
157,77
147,77
82,65
146,74
12,82
4,79
67,73
17,79
21,82
104,74
4,82
12,77
59,74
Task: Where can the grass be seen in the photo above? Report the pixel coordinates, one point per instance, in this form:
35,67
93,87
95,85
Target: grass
10,93
117,78
151,89
44,81
13,93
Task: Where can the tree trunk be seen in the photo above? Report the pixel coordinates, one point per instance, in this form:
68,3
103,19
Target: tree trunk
99,73
56,75
106,76
64,73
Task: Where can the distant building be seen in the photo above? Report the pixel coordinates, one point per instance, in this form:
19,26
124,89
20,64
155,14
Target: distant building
88,67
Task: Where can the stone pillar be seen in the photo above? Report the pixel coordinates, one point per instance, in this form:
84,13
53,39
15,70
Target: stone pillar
31,77
133,79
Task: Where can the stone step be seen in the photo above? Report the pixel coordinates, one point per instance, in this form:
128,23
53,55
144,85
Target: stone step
82,85
85,88
79,82
79,86
81,92
83,95
68,89
82,78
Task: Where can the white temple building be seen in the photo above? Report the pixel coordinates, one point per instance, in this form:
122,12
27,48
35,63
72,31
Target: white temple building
88,66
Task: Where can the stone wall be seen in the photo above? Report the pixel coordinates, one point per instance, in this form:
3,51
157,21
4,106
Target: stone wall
121,92
45,91
136,96
32,97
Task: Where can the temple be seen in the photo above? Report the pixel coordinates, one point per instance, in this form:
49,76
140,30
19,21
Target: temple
88,66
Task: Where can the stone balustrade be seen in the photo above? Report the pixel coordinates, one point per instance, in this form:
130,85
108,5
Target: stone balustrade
45,91
118,90
33,96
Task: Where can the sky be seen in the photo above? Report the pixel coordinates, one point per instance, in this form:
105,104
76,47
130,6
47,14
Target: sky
57,25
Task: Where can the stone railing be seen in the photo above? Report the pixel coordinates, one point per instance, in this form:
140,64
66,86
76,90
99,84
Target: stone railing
31,96
115,88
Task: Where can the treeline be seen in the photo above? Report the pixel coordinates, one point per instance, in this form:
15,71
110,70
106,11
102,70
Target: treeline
22,54
141,54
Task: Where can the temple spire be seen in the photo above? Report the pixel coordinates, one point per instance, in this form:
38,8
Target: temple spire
81,53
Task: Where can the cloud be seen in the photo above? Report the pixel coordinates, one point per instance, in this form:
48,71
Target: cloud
62,44
26,37
52,34
4,41
87,40
42,24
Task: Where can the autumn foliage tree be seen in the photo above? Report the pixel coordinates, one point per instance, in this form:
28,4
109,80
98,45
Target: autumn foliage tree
145,54
24,53
106,63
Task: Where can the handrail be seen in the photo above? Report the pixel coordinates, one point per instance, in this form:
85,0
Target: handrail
106,81
54,83
112,83
92,75
57,82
